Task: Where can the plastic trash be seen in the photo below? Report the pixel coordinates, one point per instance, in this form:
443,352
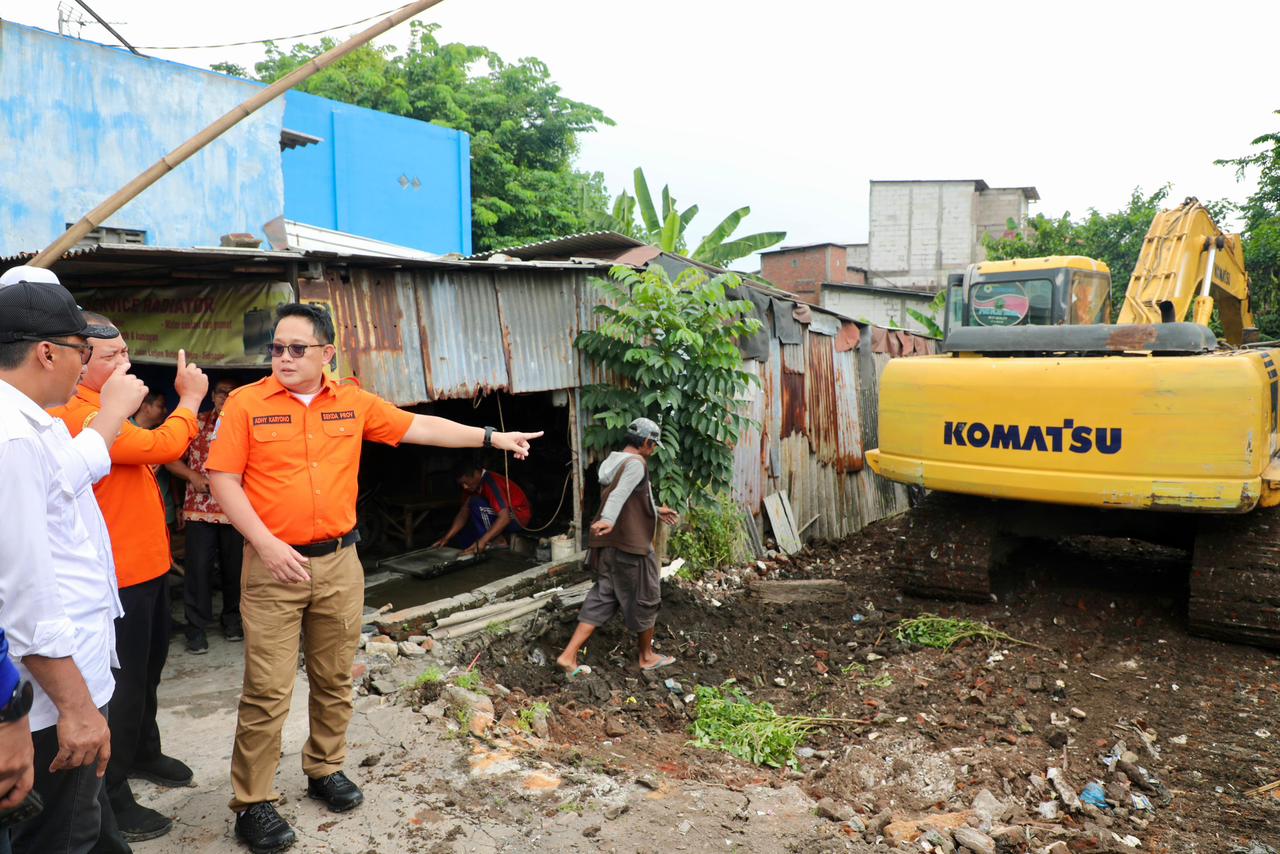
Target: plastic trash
537,657
858,618
1141,802
1095,795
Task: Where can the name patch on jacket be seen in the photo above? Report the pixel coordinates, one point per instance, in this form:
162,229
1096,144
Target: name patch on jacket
259,420
1053,438
339,415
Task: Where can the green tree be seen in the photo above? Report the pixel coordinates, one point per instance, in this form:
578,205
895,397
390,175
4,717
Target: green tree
672,347
1115,238
665,226
1261,215
524,132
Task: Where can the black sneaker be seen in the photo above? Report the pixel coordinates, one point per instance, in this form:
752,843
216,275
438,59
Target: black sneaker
263,830
138,823
335,790
197,643
234,630
163,771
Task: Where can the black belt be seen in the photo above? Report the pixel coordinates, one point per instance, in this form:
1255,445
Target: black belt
328,547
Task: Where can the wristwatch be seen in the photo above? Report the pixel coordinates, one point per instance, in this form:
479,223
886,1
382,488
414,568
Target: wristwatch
488,437
18,704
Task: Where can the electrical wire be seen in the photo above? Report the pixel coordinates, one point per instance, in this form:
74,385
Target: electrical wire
506,470
264,41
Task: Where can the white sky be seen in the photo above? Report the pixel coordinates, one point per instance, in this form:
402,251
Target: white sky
792,107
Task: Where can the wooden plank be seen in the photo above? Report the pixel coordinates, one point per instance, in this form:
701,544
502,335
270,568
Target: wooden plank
784,531
786,592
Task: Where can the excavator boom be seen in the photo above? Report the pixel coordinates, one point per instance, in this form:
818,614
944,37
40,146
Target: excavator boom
1186,268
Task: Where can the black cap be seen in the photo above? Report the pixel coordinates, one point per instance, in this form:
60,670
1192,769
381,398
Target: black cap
40,310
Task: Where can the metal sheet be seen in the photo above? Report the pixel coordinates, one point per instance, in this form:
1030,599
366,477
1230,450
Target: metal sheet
821,413
848,412
590,296
539,314
793,357
749,460
376,316
458,317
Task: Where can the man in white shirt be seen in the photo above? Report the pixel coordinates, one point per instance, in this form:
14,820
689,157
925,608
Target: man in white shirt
57,592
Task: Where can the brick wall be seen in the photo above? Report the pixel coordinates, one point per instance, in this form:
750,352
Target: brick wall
803,269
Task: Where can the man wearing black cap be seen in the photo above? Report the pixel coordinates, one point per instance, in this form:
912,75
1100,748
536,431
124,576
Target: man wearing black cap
57,589
620,551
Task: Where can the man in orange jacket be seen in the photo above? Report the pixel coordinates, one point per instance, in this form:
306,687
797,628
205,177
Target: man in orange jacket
134,510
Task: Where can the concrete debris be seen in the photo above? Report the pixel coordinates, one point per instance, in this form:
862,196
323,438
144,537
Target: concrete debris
382,646
975,840
833,810
410,649
476,708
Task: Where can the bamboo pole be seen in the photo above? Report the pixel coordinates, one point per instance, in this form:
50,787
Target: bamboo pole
170,161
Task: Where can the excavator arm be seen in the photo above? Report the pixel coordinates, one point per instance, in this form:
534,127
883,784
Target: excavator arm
1187,266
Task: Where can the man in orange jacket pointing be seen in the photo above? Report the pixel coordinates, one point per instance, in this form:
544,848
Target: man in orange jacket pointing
134,511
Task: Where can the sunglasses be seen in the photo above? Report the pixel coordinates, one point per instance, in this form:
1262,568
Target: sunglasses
86,350
297,351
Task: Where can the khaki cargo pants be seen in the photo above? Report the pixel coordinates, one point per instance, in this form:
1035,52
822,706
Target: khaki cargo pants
325,613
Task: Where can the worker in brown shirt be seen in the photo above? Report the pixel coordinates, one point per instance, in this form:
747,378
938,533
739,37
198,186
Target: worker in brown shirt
621,551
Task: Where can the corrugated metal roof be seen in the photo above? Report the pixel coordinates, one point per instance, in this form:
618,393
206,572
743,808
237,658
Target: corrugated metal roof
539,315
576,245
376,316
464,346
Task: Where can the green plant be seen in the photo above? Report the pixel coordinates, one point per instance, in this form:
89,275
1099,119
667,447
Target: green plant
665,227
525,717
431,676
930,321
1261,215
945,632
571,806
884,680
471,680
672,348
852,667
727,720
497,628
710,536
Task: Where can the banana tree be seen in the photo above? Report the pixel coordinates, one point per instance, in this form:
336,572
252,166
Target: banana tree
665,227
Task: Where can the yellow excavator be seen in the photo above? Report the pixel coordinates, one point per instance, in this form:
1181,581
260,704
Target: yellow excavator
1041,418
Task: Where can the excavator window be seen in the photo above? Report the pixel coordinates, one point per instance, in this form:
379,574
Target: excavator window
1013,303
1090,298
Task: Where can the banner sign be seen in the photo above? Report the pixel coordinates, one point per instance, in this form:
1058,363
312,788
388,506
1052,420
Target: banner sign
219,324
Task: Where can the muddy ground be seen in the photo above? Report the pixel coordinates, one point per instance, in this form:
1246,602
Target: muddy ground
934,729
1113,662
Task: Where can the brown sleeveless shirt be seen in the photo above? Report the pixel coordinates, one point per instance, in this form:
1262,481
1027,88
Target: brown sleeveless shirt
636,523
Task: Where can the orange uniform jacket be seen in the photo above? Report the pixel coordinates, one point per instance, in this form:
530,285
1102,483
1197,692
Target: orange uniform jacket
299,464
129,496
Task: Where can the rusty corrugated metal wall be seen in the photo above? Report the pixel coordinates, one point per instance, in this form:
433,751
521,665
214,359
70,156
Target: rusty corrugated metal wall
432,333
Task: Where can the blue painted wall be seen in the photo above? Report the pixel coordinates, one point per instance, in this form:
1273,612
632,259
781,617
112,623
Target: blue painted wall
379,175
78,120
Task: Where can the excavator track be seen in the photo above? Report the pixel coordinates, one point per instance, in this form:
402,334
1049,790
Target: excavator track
1235,578
950,548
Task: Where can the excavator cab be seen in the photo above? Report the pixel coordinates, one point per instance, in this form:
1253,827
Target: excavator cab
1059,290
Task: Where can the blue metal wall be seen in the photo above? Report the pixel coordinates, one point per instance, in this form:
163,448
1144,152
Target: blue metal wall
78,120
378,175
